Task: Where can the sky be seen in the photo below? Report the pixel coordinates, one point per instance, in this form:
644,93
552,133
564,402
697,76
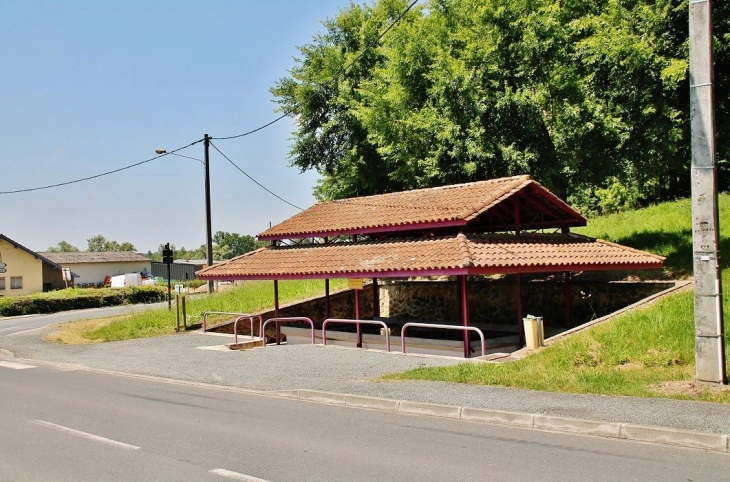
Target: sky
87,87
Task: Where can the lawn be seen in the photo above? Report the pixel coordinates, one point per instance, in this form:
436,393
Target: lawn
646,352
249,297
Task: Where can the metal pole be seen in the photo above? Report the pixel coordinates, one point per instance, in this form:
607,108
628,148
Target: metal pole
169,289
464,300
208,229
357,317
709,331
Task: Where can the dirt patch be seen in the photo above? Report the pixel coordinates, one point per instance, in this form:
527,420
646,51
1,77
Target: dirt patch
689,388
628,366
72,333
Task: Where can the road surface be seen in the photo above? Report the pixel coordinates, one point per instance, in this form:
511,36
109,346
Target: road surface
18,324
84,425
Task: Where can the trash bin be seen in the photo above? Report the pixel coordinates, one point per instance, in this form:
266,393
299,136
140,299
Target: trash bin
534,332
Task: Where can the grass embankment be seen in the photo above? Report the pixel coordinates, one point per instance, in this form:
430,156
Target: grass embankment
250,297
647,352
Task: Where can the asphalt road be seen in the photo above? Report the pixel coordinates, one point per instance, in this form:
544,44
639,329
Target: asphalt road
81,425
17,324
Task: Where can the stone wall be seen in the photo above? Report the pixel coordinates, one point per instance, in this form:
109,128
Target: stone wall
490,301
495,301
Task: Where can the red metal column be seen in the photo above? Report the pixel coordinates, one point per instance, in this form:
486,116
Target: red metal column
520,316
357,317
276,311
376,298
464,313
326,299
568,301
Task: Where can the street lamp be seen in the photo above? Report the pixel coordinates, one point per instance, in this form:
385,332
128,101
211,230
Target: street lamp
208,230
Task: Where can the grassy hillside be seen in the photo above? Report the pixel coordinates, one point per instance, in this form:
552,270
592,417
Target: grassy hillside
647,352
250,297
664,229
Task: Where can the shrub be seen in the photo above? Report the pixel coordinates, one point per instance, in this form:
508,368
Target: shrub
78,299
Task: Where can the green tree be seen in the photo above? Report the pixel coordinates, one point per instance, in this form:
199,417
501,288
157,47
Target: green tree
63,247
581,94
99,243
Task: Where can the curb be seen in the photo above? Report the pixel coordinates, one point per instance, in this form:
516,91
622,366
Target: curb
715,442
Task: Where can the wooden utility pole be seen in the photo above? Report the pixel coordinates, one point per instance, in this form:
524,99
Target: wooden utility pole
709,331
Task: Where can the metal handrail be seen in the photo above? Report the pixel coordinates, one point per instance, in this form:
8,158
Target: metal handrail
446,327
250,318
205,316
366,322
279,320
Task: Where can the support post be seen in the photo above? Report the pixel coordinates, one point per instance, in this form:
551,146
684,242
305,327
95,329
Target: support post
169,289
185,315
568,301
177,313
708,315
276,312
327,299
357,317
520,314
376,298
464,303
208,227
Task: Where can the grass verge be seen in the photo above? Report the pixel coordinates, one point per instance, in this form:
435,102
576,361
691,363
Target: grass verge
646,353
249,297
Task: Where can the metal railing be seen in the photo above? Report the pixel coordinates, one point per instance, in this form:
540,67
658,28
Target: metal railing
366,322
250,319
445,327
205,316
278,321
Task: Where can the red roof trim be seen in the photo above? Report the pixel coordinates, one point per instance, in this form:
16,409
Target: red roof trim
401,228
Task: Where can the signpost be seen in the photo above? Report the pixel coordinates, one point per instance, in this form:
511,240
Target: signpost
167,259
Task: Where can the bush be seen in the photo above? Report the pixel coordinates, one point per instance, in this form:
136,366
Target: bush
79,299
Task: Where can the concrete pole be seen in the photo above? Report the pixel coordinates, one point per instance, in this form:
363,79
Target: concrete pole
208,228
709,338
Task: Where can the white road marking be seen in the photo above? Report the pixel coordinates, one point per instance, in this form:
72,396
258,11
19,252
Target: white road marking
85,435
16,366
236,476
10,328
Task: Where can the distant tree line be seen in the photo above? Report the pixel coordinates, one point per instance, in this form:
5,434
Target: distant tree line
97,244
225,246
590,97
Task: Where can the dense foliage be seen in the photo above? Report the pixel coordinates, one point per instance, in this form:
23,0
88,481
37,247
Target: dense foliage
590,97
78,299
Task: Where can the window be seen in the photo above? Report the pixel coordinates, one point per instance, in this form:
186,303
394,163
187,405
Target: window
16,282
2,282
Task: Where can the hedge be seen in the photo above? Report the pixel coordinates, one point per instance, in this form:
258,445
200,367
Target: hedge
78,299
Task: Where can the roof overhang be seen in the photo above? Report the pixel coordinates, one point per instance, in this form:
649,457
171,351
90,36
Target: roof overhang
449,255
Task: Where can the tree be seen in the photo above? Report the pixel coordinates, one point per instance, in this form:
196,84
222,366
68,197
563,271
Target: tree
99,243
63,247
590,97
230,245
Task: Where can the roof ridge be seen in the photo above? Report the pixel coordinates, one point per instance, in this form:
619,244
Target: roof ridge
517,184
467,259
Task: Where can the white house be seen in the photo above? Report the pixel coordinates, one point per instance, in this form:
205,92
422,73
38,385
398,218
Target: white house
92,268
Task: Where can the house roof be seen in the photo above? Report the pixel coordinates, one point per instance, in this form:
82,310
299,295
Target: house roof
31,252
82,257
485,206
457,254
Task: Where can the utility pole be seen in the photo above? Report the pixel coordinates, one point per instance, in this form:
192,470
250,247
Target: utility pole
208,232
709,331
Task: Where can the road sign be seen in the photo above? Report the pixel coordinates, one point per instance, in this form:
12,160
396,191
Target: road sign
179,289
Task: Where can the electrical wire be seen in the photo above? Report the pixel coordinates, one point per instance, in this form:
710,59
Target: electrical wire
254,180
334,77
104,173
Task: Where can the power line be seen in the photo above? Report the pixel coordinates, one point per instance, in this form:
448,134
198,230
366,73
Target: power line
334,77
102,174
254,180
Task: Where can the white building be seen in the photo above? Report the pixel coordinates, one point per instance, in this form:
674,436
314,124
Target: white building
92,268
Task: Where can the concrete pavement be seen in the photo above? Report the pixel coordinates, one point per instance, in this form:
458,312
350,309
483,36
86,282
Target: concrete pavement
332,374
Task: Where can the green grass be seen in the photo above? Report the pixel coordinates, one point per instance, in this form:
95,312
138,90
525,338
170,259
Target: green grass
664,229
646,352
251,297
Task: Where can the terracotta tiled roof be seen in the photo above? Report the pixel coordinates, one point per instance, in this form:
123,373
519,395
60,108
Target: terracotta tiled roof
433,208
457,254
95,257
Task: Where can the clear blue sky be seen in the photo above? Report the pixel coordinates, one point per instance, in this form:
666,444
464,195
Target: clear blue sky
89,86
